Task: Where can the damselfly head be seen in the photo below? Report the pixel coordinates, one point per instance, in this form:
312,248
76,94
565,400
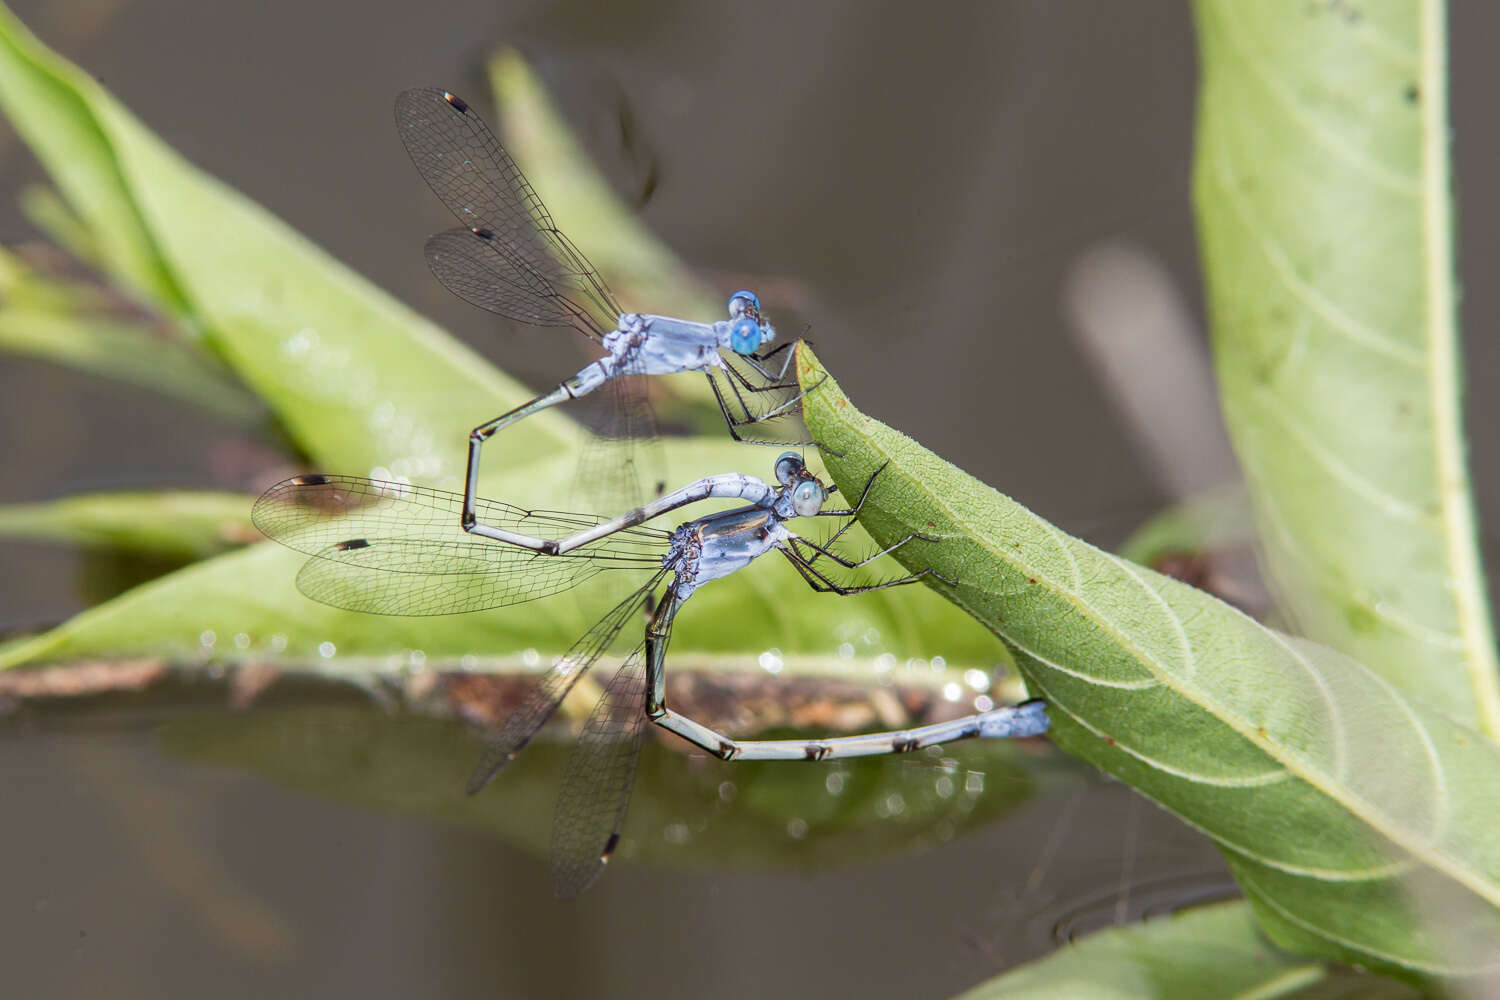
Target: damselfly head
744,336
744,303
808,497
807,491
789,466
748,329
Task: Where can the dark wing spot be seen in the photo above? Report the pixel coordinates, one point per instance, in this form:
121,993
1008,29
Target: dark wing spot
458,104
311,480
353,543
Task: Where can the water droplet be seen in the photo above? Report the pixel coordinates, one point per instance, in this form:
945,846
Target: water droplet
770,661
677,833
206,638
846,650
944,787
892,805
727,791
380,473
796,828
241,641
530,657
469,661
871,636
984,703
885,663
938,663
834,783
301,343
978,680
952,691
327,649
278,642
974,782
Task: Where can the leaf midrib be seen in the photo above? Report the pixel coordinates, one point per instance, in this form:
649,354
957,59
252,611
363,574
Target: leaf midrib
1454,488
1437,859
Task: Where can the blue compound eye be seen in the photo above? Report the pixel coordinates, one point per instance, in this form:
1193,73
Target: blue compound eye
744,336
788,463
741,302
807,498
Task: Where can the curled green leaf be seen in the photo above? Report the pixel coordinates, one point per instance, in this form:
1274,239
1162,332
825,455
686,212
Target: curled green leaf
179,525
1359,820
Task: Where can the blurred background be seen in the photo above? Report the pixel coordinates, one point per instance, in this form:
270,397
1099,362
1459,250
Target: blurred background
981,212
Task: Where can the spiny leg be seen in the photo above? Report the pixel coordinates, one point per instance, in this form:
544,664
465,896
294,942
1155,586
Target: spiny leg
859,504
755,361
821,583
820,550
852,514
733,422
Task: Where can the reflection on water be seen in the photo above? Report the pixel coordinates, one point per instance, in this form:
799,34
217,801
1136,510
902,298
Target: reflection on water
688,809
231,854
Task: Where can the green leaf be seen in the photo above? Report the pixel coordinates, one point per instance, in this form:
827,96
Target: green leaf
177,525
1208,951
243,607
48,100
766,815
1359,821
360,381
84,327
1329,269
43,208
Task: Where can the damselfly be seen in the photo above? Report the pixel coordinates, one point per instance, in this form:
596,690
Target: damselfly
389,548
510,258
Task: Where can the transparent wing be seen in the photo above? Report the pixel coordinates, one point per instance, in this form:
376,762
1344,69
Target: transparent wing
622,453
522,724
406,576
475,268
316,513
509,258
595,792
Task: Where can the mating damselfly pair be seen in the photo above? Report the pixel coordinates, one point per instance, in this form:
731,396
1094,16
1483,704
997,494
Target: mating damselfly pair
395,548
